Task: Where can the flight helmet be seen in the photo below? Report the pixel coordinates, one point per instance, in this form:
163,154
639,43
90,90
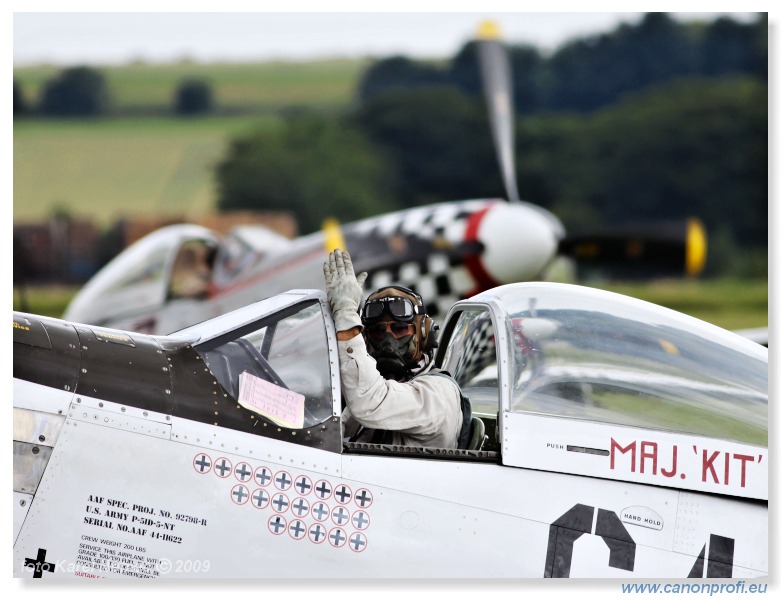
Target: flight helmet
398,332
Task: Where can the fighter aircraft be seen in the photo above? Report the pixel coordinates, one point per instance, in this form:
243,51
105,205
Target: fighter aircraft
611,438
183,274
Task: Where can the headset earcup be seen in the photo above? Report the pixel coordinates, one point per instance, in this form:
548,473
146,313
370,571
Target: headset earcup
428,333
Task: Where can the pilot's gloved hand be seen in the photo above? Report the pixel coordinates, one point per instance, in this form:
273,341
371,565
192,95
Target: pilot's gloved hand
344,290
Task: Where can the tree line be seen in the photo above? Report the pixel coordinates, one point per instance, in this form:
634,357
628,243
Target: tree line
589,73
658,120
82,91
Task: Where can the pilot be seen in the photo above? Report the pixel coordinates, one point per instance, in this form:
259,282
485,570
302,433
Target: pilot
192,271
392,395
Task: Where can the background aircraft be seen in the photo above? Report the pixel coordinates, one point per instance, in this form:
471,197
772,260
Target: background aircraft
143,456
181,275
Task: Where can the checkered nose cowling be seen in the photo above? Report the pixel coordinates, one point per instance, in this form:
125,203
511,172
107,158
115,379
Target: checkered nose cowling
456,250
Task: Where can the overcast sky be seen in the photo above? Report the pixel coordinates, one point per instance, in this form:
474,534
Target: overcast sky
66,38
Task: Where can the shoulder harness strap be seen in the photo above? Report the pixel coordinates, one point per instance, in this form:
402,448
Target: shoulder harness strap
466,410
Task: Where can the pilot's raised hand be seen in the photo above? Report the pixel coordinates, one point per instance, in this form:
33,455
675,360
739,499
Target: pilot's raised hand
344,290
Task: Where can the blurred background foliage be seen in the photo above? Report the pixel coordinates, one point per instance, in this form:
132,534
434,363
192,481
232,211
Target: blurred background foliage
662,119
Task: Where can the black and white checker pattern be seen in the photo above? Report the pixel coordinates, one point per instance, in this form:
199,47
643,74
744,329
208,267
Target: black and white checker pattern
427,222
479,351
439,283
439,278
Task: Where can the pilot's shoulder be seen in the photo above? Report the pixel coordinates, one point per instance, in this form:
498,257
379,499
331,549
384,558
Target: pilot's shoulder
440,379
439,373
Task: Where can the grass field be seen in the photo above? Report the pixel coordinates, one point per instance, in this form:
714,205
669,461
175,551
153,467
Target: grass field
144,159
113,168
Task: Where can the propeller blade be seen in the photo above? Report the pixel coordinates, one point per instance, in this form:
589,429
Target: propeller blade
495,71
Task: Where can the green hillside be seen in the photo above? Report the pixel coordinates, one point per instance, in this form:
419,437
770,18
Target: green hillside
145,160
105,169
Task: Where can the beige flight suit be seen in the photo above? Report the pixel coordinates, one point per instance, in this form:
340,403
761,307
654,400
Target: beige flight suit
425,411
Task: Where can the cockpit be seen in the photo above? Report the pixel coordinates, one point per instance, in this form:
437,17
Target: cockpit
277,367
172,262
578,353
569,355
